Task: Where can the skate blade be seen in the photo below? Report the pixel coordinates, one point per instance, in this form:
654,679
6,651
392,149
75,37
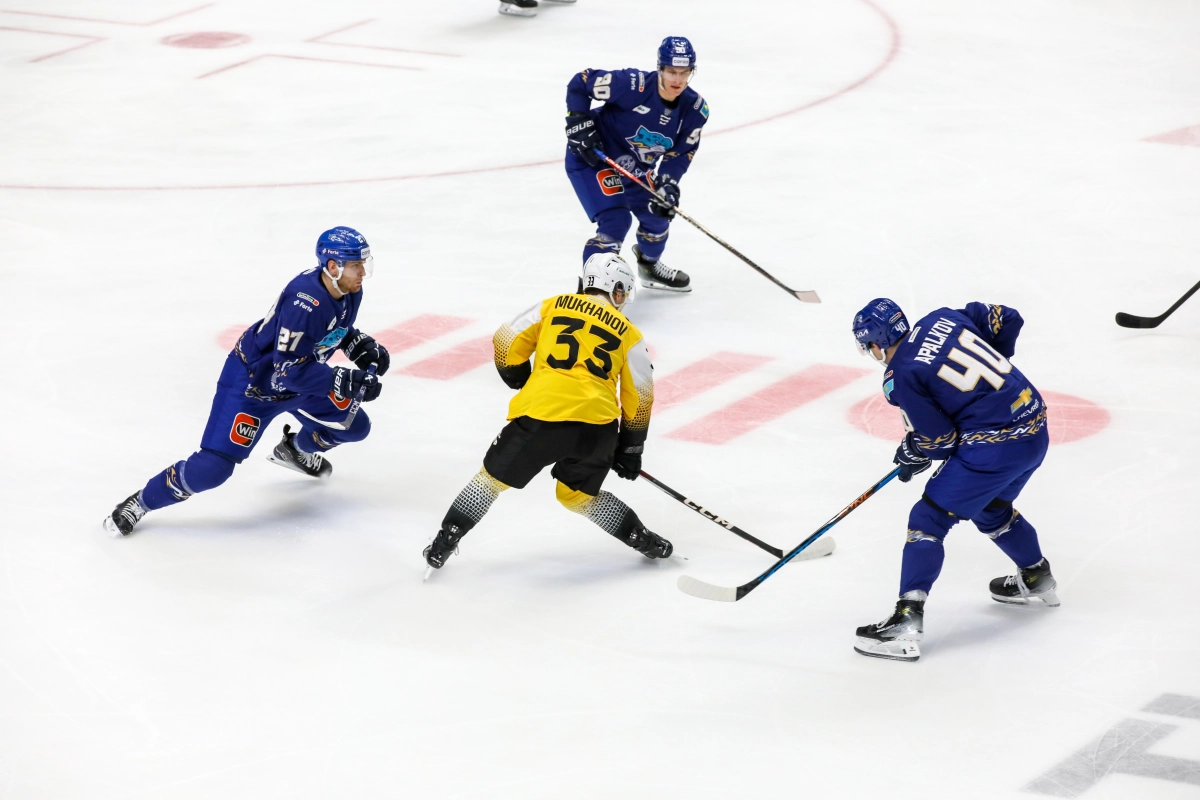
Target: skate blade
1049,598
112,528
428,572
514,11
294,468
663,287
895,650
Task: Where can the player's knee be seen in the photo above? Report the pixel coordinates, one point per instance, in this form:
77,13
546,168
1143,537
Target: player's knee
613,223
572,499
358,430
205,469
998,517
929,522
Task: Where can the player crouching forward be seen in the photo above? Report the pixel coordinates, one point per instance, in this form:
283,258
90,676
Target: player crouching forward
278,365
646,120
567,410
963,401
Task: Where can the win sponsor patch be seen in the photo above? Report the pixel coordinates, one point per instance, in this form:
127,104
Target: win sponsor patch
610,182
244,429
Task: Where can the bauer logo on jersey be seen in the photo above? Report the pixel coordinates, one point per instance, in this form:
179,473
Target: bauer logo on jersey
244,429
648,144
610,182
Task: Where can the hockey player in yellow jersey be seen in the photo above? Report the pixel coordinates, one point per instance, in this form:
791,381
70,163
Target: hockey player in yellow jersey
569,411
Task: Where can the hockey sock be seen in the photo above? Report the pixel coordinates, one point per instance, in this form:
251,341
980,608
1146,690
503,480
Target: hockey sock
604,509
652,243
923,556
319,439
473,502
1018,539
203,470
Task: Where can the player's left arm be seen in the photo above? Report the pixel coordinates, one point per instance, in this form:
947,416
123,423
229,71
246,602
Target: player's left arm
1000,325
637,398
514,342
675,162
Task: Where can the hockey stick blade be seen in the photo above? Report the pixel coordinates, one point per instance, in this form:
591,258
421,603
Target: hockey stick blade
707,591
1134,321
806,297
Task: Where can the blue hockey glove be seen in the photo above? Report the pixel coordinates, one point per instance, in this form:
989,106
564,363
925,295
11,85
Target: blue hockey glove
347,382
365,351
910,458
668,189
583,137
628,461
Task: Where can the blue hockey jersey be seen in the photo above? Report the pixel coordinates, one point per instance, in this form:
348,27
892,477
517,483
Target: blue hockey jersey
952,379
637,126
285,351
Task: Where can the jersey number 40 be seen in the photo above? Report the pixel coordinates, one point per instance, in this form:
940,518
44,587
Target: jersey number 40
985,363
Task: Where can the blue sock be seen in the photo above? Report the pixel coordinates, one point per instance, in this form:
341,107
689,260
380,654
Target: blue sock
203,470
1020,543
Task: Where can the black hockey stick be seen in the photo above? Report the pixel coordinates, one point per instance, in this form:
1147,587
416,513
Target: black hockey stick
704,512
345,424
1131,321
802,296
707,591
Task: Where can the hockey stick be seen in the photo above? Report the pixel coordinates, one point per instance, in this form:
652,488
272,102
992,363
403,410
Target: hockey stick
802,296
1131,321
345,424
707,591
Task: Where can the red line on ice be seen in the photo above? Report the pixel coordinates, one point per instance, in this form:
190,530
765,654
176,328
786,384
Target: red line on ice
108,21
418,330
92,40
318,40
756,410
889,57
701,376
306,58
453,362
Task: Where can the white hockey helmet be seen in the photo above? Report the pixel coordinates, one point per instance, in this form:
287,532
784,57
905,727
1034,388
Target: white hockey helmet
608,272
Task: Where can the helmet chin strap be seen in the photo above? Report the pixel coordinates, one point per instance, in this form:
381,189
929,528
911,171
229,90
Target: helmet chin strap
881,358
336,278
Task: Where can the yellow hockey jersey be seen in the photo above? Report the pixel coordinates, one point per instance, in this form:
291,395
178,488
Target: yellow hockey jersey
581,346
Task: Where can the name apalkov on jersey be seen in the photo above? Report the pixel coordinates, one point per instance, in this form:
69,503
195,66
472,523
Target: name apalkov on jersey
939,332
577,303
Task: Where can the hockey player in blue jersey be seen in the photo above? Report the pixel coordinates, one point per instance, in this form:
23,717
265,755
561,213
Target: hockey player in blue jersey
647,120
963,402
278,365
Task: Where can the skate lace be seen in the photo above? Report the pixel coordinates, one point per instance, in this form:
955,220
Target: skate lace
310,460
664,272
132,511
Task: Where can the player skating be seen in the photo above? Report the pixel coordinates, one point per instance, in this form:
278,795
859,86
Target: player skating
278,365
567,410
963,401
524,8
647,119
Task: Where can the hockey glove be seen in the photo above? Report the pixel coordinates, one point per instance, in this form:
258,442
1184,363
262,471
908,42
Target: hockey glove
365,351
668,189
583,138
628,461
515,376
347,382
910,458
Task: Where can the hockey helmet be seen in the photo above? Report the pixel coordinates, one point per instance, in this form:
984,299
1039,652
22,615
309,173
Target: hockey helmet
609,272
344,244
676,51
880,323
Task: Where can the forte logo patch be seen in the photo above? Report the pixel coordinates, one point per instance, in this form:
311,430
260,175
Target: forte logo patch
610,182
245,428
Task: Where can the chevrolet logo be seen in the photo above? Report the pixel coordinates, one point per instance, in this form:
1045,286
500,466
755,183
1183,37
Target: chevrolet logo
1023,399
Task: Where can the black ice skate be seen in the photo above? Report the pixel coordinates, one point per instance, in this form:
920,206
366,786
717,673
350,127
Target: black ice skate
657,275
127,514
649,543
896,637
286,454
444,545
519,8
1029,584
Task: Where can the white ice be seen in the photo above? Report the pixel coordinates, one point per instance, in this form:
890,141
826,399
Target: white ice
273,638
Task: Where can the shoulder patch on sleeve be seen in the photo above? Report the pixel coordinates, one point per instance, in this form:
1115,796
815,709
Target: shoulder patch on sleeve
888,387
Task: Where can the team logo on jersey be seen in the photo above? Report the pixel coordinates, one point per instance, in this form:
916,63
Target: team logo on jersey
341,402
331,340
610,182
887,389
648,144
245,428
641,109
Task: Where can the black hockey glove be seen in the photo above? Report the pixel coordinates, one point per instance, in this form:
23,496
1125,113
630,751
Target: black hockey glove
910,458
365,351
583,137
347,382
628,461
668,189
515,376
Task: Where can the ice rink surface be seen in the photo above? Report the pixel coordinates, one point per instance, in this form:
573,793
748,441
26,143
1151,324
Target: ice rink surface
166,167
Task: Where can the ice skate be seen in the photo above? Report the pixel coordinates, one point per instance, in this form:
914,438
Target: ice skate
127,514
657,275
896,637
649,543
1032,583
444,545
286,454
519,8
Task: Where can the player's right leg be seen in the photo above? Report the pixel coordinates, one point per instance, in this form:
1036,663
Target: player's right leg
230,435
580,474
602,195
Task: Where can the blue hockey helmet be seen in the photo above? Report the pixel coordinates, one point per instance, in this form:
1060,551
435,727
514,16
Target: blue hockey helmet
880,323
344,244
676,51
